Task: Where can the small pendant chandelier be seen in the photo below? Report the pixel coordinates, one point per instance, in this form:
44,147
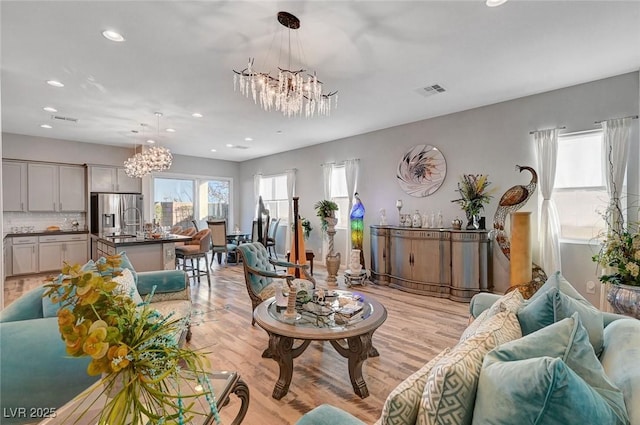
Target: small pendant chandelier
149,160
292,92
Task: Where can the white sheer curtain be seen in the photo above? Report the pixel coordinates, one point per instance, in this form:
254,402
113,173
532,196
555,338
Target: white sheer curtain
549,232
351,168
291,191
327,168
256,190
615,151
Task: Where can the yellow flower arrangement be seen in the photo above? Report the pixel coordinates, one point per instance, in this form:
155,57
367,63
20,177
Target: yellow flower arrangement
473,193
135,348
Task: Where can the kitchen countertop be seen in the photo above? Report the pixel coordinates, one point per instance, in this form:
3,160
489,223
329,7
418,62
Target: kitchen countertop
45,233
132,240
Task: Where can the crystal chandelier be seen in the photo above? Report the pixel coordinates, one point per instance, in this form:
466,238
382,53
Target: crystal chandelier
155,158
294,93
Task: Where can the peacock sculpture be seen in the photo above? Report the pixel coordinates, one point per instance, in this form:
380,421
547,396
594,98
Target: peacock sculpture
511,201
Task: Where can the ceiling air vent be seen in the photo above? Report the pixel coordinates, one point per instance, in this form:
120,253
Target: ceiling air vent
431,90
240,147
61,118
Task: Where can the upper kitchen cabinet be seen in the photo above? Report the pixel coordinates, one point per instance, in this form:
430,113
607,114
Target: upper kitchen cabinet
57,188
14,185
103,178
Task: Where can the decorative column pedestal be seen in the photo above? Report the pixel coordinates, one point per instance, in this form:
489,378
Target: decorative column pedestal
332,260
520,268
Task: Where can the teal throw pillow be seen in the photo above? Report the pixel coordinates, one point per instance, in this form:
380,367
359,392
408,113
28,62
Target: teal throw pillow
541,390
553,306
556,280
125,263
566,340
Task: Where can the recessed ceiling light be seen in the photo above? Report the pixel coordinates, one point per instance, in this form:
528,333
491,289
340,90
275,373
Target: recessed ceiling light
55,83
50,109
112,35
214,150
248,139
196,115
45,126
151,141
229,145
494,3
170,130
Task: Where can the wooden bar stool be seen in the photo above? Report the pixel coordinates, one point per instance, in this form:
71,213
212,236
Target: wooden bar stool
195,249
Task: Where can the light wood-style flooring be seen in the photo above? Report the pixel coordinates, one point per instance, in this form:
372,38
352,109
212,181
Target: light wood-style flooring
417,328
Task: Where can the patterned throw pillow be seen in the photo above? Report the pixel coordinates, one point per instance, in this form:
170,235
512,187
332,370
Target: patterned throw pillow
508,302
127,286
450,390
401,406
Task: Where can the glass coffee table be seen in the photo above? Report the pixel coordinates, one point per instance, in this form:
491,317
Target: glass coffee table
85,408
346,319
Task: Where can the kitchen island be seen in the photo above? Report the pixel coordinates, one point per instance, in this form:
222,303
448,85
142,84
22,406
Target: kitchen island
146,254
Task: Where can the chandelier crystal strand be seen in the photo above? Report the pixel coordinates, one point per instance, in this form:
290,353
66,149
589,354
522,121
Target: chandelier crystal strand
290,92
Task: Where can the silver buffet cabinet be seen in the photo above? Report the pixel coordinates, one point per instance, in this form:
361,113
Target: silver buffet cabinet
443,263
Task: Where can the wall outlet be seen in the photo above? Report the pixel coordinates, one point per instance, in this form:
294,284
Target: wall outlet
591,287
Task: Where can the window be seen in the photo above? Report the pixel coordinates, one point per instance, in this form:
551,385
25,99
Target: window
273,190
177,201
173,201
339,195
580,191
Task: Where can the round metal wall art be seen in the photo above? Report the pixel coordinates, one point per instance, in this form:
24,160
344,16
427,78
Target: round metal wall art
421,170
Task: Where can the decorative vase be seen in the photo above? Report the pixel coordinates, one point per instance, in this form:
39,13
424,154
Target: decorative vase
416,220
625,299
333,264
354,261
473,221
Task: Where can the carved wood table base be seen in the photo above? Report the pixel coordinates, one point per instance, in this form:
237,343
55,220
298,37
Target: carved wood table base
353,342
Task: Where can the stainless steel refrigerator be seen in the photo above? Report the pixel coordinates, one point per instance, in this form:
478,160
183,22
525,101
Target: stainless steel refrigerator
116,213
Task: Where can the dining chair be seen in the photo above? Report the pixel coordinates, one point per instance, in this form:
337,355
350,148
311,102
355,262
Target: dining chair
270,241
219,241
260,272
195,249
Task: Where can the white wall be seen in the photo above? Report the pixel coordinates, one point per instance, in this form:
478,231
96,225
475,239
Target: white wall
488,140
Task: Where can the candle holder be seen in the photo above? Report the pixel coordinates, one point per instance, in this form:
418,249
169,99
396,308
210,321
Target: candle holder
399,207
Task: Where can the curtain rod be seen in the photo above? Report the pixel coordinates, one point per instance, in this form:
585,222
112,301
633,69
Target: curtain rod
633,117
556,128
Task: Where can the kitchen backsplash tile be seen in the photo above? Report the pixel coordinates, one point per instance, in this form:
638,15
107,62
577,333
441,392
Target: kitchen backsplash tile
40,221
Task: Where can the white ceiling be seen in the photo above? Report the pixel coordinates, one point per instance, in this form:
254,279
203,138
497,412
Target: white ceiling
178,59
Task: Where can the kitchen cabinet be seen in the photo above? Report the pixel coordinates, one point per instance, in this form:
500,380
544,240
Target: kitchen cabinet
54,250
438,262
24,255
14,186
56,188
103,178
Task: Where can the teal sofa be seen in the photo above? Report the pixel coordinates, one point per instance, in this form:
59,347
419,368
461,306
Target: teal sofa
620,358
36,374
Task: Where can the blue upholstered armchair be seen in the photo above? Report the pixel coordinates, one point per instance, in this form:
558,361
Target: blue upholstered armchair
260,270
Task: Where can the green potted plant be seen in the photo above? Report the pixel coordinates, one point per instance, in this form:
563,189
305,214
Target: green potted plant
325,209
